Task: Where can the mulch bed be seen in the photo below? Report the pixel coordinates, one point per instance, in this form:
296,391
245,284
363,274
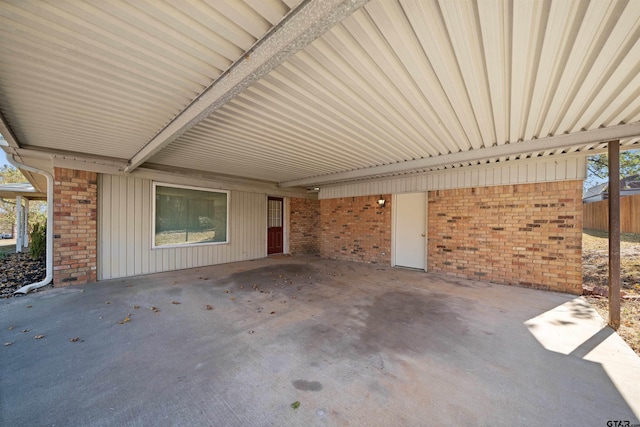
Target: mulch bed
17,270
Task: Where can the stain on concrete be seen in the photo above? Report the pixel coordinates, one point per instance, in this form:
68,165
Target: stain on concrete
465,283
407,322
270,277
305,385
174,291
396,322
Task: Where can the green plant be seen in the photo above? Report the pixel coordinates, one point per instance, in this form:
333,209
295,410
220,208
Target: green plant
38,245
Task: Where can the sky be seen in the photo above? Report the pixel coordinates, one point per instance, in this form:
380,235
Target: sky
3,157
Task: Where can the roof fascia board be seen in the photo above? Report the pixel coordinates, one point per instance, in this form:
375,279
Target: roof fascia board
73,161
518,162
519,148
310,20
8,134
11,149
204,179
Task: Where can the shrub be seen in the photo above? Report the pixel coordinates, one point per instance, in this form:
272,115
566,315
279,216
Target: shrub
38,246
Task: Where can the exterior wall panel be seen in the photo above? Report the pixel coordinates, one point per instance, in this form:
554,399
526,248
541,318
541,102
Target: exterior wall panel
526,171
124,231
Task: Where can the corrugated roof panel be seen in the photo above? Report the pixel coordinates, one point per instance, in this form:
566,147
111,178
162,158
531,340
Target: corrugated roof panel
598,20
556,45
496,27
104,77
429,27
611,50
398,81
463,27
404,80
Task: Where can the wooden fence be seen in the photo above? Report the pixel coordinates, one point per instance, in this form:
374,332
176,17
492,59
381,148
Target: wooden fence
596,215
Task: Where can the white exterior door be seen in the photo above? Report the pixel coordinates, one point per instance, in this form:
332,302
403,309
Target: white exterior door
410,230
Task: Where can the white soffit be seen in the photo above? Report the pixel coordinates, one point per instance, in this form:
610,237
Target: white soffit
405,82
102,77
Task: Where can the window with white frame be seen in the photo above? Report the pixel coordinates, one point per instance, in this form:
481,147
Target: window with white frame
189,215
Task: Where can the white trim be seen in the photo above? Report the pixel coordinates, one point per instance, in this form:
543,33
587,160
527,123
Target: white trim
19,224
156,184
285,224
394,218
426,232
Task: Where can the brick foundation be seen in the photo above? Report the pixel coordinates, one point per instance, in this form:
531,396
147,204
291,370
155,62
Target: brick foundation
304,226
356,229
528,235
74,227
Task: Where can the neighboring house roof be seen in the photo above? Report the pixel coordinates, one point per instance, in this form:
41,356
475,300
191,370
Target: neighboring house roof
628,186
630,182
24,189
596,190
304,93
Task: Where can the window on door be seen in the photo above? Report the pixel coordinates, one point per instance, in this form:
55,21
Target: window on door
275,230
275,213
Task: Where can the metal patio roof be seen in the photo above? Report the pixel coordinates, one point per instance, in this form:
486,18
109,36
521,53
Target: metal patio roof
11,191
318,91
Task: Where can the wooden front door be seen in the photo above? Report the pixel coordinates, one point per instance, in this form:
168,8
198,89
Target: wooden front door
275,234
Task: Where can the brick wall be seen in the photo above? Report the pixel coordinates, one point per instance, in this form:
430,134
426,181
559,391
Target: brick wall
304,226
528,235
74,226
356,229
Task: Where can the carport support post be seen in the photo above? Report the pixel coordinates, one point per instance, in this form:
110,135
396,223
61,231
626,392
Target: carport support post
25,227
614,234
19,224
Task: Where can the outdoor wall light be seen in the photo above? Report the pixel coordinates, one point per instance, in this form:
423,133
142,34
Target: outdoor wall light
381,202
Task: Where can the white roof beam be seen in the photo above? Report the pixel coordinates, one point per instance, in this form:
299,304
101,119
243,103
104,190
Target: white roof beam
558,142
305,24
12,146
8,134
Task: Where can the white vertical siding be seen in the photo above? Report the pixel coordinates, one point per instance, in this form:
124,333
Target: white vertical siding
124,231
560,168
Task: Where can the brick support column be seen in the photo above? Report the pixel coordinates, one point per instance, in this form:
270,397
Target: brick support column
304,226
74,227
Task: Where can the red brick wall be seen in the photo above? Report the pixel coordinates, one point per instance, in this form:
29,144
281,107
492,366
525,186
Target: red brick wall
356,229
304,226
528,235
74,226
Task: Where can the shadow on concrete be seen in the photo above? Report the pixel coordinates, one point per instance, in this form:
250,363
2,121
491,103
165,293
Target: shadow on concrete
592,343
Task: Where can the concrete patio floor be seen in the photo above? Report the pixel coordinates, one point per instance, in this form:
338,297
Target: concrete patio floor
237,344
